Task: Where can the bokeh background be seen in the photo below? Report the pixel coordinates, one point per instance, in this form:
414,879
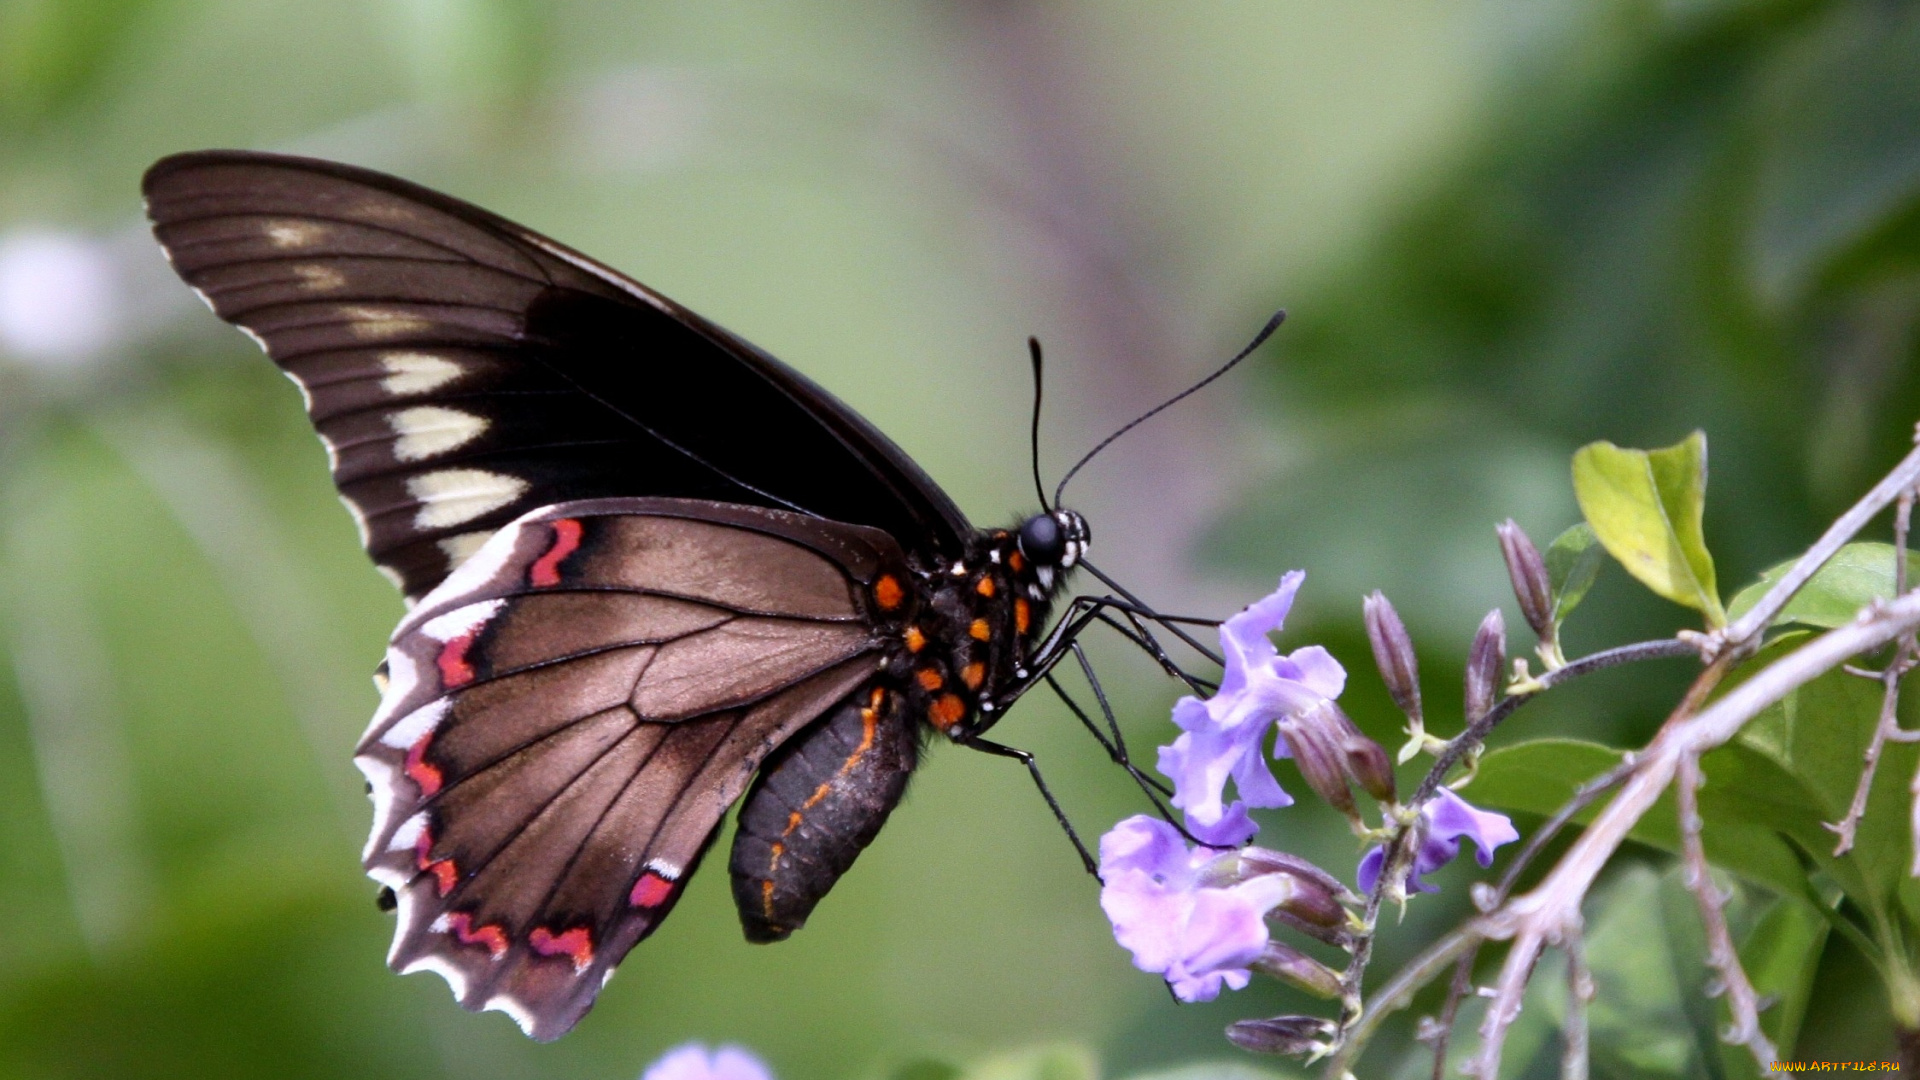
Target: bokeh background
1502,228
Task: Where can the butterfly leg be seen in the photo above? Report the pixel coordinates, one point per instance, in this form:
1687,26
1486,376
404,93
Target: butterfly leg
1033,769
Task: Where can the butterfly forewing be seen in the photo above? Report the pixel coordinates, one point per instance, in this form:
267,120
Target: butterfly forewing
463,370
569,715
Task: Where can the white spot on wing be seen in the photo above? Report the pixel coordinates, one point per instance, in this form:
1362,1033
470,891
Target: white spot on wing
456,980
316,278
410,373
294,234
455,496
408,834
664,868
379,776
459,549
256,338
430,430
378,322
520,1013
460,620
408,731
402,677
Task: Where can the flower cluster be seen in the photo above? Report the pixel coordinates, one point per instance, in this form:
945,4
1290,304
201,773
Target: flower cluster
1200,915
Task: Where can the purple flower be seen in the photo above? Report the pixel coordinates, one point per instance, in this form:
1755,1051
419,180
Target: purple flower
1449,818
1198,936
1221,737
693,1061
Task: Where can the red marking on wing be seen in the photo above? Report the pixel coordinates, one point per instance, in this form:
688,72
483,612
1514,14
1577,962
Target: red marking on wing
545,572
427,776
445,874
576,944
651,890
454,668
460,925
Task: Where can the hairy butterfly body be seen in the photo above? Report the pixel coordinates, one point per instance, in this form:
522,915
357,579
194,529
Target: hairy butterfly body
649,569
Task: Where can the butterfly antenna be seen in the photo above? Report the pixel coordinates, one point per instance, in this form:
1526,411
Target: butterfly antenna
1258,340
1033,349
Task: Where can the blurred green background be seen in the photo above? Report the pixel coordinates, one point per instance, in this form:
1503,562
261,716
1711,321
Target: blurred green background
1501,227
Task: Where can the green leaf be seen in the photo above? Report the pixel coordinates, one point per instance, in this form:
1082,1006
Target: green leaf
1573,560
1857,575
1645,505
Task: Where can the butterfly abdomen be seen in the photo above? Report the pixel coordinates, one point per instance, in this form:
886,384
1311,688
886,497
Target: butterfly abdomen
816,805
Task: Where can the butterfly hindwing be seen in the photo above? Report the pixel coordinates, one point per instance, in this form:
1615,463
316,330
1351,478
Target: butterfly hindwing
569,715
463,370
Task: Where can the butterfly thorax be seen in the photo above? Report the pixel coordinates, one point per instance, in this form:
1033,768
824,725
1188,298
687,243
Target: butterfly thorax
971,626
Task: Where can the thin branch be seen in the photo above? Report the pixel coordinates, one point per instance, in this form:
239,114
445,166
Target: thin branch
1542,916
1744,632
1476,733
1889,724
1742,1002
1573,1057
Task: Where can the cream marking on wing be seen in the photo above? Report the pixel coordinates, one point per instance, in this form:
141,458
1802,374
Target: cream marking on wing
314,278
457,496
431,430
255,338
461,620
456,980
402,677
294,234
365,530
379,776
458,549
377,322
408,834
411,373
404,734
664,868
506,1004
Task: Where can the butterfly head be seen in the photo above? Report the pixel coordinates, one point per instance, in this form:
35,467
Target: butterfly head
1054,542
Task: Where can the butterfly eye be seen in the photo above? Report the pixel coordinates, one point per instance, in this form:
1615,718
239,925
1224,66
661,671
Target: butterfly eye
1042,540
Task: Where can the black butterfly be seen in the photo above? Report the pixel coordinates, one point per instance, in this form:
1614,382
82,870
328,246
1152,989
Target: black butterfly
643,560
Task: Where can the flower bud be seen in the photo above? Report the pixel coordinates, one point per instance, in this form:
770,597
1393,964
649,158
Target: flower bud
1393,653
1485,660
1369,766
1289,964
1317,739
1528,572
1297,1036
1331,752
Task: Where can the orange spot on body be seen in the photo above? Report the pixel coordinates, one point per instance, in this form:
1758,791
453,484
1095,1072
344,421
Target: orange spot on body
946,711
766,898
793,822
545,572
888,593
460,925
455,669
651,890
1016,562
980,631
426,776
984,587
929,679
575,944
915,639
1022,614
973,675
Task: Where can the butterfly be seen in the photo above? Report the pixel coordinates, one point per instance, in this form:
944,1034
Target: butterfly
650,570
